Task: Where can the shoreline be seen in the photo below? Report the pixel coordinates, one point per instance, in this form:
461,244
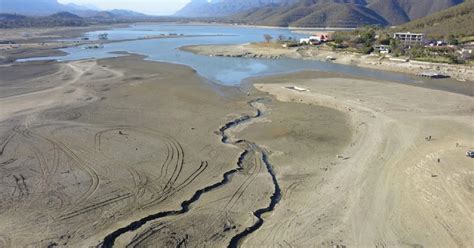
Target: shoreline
53,48
29,41
275,51
328,149
457,72
380,159
129,106
137,137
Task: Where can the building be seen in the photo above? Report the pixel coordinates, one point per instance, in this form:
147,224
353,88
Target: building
320,37
409,38
304,41
309,41
384,49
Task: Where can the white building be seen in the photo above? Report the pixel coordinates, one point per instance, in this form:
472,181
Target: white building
384,49
313,40
304,41
409,38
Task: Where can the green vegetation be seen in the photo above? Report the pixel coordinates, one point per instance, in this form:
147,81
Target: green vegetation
457,21
360,40
316,13
435,54
363,40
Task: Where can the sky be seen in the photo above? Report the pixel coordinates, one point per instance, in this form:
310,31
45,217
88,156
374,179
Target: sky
153,7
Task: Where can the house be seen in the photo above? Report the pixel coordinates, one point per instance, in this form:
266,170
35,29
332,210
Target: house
409,38
304,41
437,43
320,37
312,40
384,49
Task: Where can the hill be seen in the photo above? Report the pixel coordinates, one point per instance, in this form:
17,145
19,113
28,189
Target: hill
31,8
313,13
456,21
65,15
59,19
310,13
400,11
204,8
68,19
50,7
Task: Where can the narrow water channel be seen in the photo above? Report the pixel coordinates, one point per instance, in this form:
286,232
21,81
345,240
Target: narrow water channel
110,239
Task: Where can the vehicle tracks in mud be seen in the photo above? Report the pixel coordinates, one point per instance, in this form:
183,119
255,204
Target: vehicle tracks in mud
249,147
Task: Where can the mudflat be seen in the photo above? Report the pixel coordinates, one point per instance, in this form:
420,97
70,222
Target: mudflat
91,147
128,152
404,180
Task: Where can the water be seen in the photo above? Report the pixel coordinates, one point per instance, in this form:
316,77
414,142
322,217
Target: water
223,70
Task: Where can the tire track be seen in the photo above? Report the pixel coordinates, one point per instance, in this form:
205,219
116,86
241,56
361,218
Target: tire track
171,168
249,181
5,143
274,199
110,239
182,185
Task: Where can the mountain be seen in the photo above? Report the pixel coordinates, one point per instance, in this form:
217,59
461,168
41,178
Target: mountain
401,11
65,15
11,17
205,8
59,19
49,7
311,13
127,13
457,21
31,7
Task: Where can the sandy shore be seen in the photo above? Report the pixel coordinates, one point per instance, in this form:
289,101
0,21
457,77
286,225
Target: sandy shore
275,51
387,188
150,154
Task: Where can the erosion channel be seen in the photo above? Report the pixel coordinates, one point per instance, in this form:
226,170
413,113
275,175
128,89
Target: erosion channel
248,147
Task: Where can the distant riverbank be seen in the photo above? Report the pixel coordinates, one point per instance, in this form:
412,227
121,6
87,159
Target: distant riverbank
275,51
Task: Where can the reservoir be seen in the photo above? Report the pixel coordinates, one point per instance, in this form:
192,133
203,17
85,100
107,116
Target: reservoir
223,70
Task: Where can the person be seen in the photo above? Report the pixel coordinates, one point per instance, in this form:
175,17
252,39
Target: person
439,160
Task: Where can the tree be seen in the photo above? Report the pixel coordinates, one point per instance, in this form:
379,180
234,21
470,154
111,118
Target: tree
340,36
366,49
268,38
281,37
384,39
396,47
452,40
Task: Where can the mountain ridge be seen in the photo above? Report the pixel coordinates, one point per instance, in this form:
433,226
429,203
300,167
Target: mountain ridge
51,7
310,13
204,8
455,21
